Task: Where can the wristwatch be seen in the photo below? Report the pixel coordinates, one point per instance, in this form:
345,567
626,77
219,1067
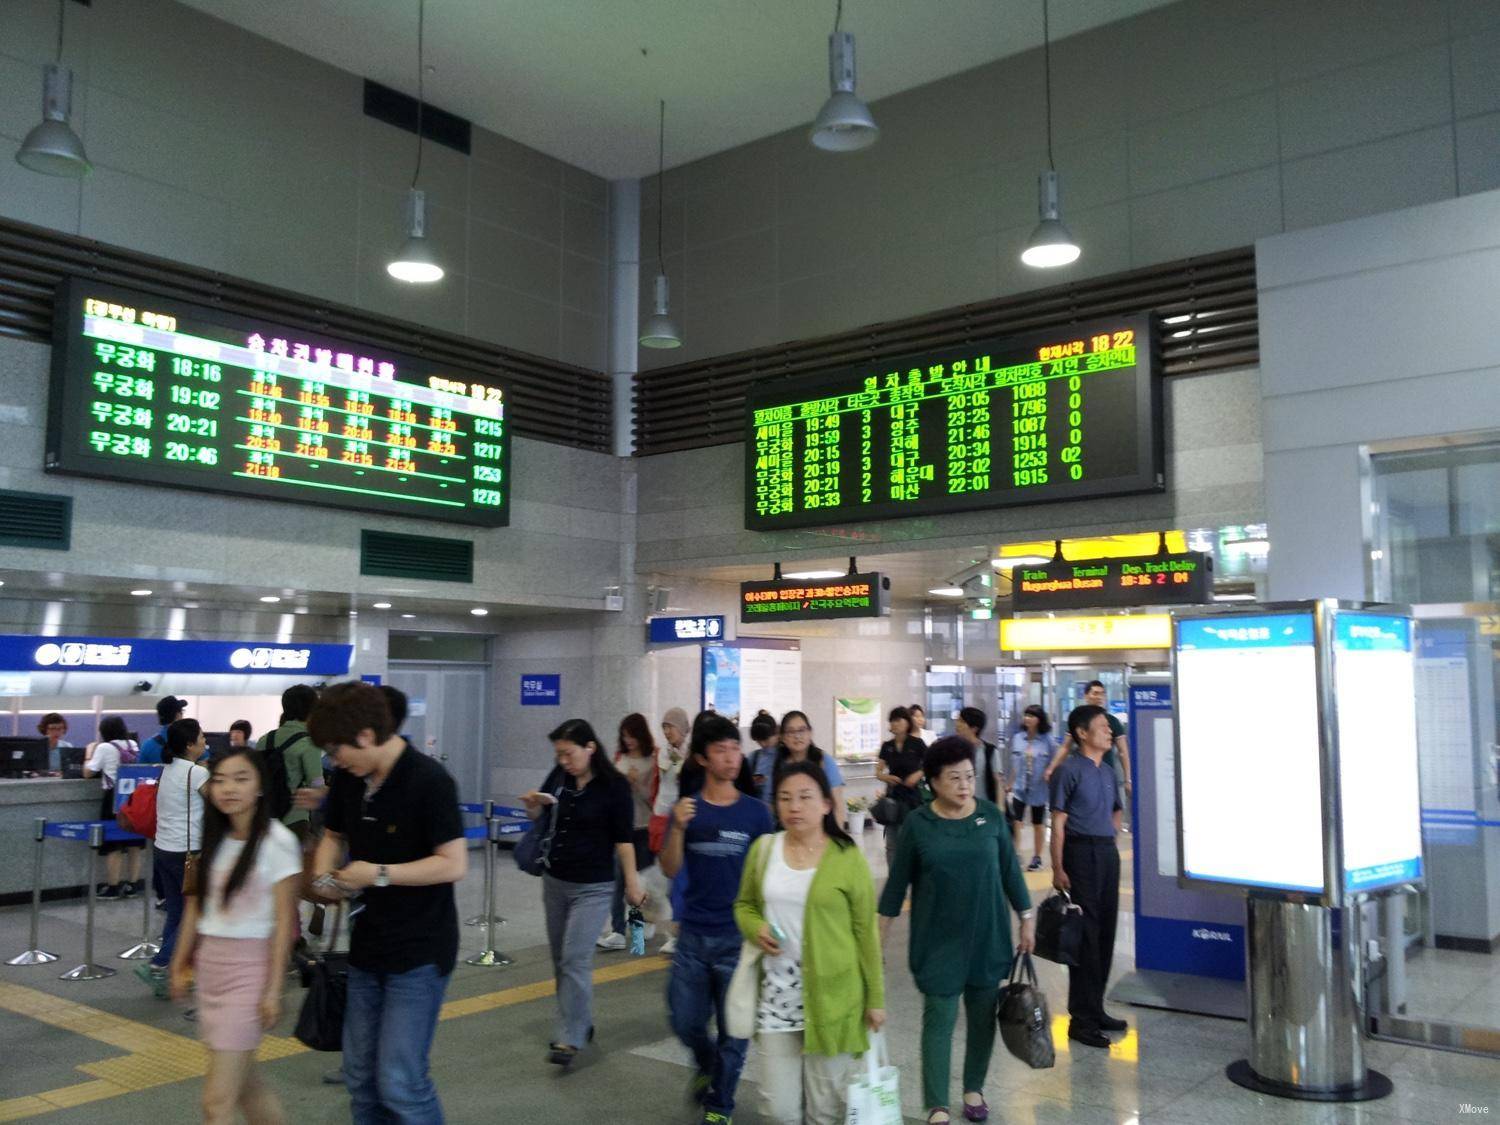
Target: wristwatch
382,876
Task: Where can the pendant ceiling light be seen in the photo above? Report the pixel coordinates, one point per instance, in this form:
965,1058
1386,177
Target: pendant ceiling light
659,330
1050,244
844,124
52,148
416,261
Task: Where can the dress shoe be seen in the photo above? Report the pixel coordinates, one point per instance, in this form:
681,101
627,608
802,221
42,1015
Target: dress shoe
1109,1023
1089,1038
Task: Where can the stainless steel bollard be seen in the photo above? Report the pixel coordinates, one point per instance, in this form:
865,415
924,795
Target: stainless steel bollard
489,955
34,954
480,919
88,970
145,948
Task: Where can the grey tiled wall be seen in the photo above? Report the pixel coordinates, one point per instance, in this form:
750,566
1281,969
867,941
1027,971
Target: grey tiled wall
1194,127
215,147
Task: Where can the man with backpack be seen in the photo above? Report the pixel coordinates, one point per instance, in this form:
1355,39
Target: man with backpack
292,761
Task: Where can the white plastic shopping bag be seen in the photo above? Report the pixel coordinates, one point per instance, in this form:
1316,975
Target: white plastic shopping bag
875,1096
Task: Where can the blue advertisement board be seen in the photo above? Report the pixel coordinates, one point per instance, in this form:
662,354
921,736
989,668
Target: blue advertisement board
678,630
541,689
26,653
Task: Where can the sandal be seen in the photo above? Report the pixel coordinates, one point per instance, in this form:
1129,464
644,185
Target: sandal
934,1119
560,1054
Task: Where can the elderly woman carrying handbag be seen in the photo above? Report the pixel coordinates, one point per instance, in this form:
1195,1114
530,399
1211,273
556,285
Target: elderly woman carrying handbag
806,909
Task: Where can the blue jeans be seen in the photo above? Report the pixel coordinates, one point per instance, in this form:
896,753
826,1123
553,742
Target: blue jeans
166,872
696,990
388,1026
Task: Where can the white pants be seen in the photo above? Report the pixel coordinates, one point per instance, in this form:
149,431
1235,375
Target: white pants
798,1089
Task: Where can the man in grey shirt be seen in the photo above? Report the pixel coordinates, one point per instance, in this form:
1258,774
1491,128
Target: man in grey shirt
1086,864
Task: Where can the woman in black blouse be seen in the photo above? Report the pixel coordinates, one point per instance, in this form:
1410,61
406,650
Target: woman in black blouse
593,822
900,767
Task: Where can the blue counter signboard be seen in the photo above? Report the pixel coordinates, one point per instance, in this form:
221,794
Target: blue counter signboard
26,653
676,630
541,689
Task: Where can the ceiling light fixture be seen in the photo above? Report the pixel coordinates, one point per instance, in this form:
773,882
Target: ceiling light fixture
140,593
382,605
659,330
811,575
478,612
1234,597
1019,560
270,599
947,591
845,123
416,263
1050,244
409,616
52,148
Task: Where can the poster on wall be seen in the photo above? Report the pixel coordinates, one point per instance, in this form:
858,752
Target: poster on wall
753,674
856,727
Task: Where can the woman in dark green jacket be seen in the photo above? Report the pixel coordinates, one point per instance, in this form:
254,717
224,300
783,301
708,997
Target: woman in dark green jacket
957,857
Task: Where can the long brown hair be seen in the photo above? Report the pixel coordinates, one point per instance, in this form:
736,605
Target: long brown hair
216,827
637,727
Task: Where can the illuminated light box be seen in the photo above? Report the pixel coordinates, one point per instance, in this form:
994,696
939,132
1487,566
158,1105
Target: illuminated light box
160,391
852,595
1085,634
1183,579
1023,420
1308,711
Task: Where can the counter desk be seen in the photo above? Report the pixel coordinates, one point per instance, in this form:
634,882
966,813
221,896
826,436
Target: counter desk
64,862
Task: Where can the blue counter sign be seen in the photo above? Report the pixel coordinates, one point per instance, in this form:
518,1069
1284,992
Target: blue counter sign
669,630
541,690
25,653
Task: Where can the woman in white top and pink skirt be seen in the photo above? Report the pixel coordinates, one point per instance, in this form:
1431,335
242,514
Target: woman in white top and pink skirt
237,935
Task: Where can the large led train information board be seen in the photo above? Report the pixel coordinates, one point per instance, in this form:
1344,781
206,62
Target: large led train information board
166,392
992,424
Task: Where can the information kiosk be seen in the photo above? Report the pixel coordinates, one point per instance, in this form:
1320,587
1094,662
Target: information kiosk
1297,785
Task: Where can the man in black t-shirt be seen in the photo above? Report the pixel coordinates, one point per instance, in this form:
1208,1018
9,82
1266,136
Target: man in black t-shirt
395,812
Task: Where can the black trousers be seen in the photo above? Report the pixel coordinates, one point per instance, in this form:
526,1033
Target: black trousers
1092,864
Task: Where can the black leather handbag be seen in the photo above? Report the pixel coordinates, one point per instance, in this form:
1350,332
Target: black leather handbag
1059,930
1025,1024
320,1023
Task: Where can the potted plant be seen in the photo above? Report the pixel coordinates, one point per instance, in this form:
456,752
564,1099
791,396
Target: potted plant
859,812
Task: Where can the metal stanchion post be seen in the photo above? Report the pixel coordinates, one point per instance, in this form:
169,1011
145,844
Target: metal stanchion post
489,955
145,948
34,954
480,919
88,970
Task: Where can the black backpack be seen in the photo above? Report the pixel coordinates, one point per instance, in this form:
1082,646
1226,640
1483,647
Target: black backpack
278,788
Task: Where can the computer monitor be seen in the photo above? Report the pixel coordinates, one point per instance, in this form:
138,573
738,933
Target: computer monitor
20,756
218,743
72,759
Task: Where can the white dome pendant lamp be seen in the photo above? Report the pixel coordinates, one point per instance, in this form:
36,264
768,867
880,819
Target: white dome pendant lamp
416,261
1050,245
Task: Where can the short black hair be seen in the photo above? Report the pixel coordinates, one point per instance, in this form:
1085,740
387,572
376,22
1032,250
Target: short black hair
346,709
243,725
112,729
181,734
902,713
917,707
974,717
297,703
1092,684
947,751
763,726
1081,718
1043,723
709,728
395,699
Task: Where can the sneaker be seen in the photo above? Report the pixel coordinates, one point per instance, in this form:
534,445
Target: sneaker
127,889
161,904
155,977
138,887
334,1077
668,947
108,890
714,1117
698,1088
612,942
1035,864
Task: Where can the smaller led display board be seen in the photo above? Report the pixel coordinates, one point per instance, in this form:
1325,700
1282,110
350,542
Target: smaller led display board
1182,579
785,599
1085,634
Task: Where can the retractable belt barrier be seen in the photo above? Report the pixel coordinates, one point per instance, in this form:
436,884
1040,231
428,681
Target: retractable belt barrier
489,831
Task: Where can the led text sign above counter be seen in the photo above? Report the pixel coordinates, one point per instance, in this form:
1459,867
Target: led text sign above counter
993,424
1102,583
788,599
20,652
158,390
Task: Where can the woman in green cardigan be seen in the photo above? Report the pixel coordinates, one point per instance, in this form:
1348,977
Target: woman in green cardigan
956,855
807,900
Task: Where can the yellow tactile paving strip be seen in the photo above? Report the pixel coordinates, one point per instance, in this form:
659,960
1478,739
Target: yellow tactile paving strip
160,1058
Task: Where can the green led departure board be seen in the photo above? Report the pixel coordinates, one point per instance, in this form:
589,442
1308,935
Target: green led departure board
166,392
1024,420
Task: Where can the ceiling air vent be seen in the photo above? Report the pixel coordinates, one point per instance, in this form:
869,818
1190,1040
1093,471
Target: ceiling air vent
33,519
384,554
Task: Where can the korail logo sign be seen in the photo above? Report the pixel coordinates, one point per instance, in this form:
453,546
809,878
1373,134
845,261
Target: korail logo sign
280,659
78,654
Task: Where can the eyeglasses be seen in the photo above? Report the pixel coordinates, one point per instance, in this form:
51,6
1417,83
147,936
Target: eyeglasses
797,730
